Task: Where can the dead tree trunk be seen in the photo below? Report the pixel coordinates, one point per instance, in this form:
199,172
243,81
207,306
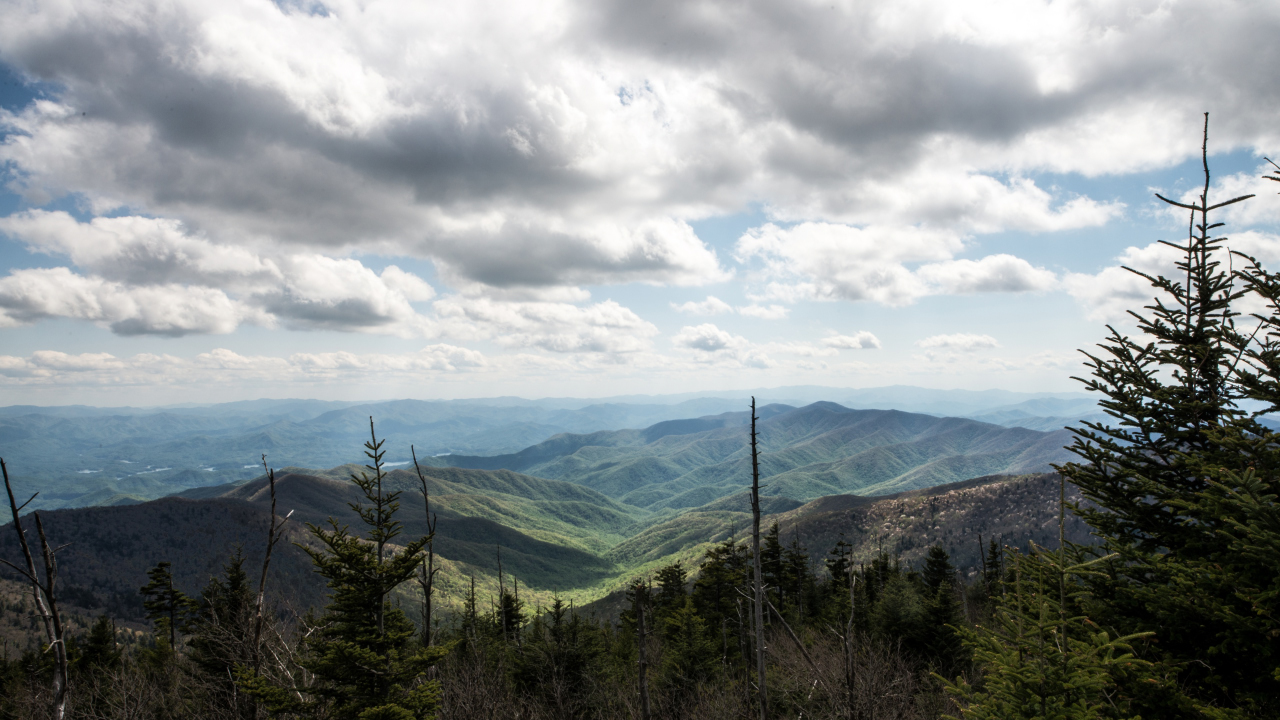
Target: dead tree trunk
758,610
44,595
427,572
274,532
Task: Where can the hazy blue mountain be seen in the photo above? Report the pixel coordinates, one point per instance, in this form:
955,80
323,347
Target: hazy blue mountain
77,456
820,449
81,455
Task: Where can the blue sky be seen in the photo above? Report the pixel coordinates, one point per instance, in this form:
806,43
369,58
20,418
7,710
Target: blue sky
390,199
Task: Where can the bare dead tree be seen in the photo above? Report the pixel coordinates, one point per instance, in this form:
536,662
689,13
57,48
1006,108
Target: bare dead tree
274,533
758,610
795,640
427,571
43,592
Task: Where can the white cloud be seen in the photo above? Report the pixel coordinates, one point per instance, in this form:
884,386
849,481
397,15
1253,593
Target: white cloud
965,342
861,340
708,338
604,327
559,143
1110,294
771,312
153,277
30,295
991,274
713,345
140,250
715,306
222,365
824,261
711,306
329,293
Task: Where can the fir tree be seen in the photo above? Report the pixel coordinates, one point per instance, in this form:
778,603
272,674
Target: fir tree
222,629
671,592
688,655
1043,659
166,606
100,651
362,654
1172,475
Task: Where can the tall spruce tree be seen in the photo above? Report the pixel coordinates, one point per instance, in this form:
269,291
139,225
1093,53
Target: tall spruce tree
1174,478
222,632
362,655
167,606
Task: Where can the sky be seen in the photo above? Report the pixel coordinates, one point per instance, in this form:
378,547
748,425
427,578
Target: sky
205,202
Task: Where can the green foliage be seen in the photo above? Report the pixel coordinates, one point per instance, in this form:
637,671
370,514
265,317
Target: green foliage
1042,658
671,591
558,658
1180,480
222,632
99,650
362,653
689,653
168,607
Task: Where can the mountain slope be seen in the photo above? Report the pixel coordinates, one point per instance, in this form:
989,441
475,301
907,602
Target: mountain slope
820,449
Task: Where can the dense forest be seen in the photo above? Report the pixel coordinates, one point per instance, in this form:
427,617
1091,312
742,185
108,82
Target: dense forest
1172,612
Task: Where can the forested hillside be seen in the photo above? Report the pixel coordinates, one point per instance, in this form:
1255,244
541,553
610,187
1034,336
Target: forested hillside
820,449
80,456
552,536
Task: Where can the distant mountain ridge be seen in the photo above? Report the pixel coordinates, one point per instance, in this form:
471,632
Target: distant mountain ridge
820,449
81,455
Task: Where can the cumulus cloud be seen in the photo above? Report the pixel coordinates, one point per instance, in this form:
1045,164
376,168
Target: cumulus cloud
708,338
991,274
323,292
30,295
825,261
965,342
711,306
153,276
861,340
559,143
140,250
604,327
714,345
715,306
763,312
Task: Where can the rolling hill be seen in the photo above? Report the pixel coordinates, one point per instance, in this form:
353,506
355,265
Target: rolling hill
820,449
79,456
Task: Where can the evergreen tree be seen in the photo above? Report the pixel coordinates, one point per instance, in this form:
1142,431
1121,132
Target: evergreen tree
166,606
938,571
798,590
942,619
1170,477
688,653
222,629
362,653
100,651
771,565
671,593
1043,659
560,655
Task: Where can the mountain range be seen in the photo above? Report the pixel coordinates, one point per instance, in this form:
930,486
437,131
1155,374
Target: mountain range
84,456
820,449
575,513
